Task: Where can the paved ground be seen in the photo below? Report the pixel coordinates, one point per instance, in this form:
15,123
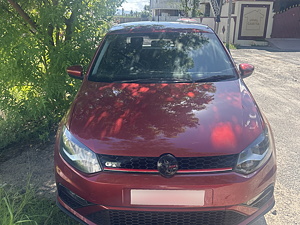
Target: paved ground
275,85
285,44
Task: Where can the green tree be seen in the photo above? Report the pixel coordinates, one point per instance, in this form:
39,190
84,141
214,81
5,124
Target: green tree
147,8
186,7
191,8
195,7
146,12
38,40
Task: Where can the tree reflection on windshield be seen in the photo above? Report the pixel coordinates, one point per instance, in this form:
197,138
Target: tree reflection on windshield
160,55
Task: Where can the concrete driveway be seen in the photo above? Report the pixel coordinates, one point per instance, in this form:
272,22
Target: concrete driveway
275,85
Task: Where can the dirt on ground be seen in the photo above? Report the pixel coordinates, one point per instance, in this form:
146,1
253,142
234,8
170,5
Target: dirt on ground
29,164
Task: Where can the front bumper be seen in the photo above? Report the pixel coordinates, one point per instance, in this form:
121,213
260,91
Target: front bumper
105,216
104,198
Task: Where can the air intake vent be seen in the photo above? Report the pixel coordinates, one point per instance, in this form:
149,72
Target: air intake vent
118,217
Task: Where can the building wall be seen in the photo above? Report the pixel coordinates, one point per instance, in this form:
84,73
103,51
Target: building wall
165,4
251,21
251,14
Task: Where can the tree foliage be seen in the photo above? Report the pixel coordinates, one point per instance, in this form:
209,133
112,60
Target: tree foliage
191,7
146,12
38,40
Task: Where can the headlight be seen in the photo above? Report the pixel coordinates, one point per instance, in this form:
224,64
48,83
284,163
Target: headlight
77,154
255,155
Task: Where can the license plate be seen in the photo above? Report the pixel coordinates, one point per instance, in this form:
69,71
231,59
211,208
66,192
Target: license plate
167,197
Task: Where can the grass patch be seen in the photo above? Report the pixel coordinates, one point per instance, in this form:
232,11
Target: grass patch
24,207
231,46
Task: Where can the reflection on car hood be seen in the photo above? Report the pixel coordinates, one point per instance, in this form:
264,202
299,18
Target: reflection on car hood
184,119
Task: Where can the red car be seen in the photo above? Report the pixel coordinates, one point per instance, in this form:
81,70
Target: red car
164,131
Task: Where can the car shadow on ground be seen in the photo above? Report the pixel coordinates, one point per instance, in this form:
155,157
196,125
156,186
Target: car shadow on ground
260,221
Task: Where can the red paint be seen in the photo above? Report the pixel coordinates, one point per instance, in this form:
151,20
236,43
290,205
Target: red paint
191,94
144,110
223,136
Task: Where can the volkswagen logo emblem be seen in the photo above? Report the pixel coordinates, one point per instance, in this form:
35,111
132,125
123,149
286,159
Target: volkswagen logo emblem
167,165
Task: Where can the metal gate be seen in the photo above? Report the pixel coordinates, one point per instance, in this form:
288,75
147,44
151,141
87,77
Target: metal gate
287,24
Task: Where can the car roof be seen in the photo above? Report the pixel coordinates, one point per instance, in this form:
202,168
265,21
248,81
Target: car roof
152,26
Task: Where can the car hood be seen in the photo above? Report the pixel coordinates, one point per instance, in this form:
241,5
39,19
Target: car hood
184,119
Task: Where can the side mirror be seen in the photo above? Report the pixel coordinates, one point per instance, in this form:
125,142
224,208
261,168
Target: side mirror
75,72
246,69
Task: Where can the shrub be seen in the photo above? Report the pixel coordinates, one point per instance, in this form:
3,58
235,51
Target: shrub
38,40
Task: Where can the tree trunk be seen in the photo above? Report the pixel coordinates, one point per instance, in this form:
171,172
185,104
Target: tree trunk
24,15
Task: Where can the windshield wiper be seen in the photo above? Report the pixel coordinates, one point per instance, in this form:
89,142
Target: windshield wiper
156,80
215,78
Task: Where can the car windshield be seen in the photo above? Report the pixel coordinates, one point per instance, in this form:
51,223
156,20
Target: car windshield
162,57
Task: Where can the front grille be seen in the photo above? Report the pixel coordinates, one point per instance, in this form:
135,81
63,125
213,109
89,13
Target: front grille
133,163
119,217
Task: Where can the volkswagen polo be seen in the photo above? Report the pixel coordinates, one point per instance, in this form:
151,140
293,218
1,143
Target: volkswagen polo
164,131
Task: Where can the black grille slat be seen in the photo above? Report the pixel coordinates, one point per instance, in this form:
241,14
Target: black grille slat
66,196
261,201
184,163
119,217
68,199
209,162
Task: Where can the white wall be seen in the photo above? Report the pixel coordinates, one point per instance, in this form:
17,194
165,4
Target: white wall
269,25
223,23
166,4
